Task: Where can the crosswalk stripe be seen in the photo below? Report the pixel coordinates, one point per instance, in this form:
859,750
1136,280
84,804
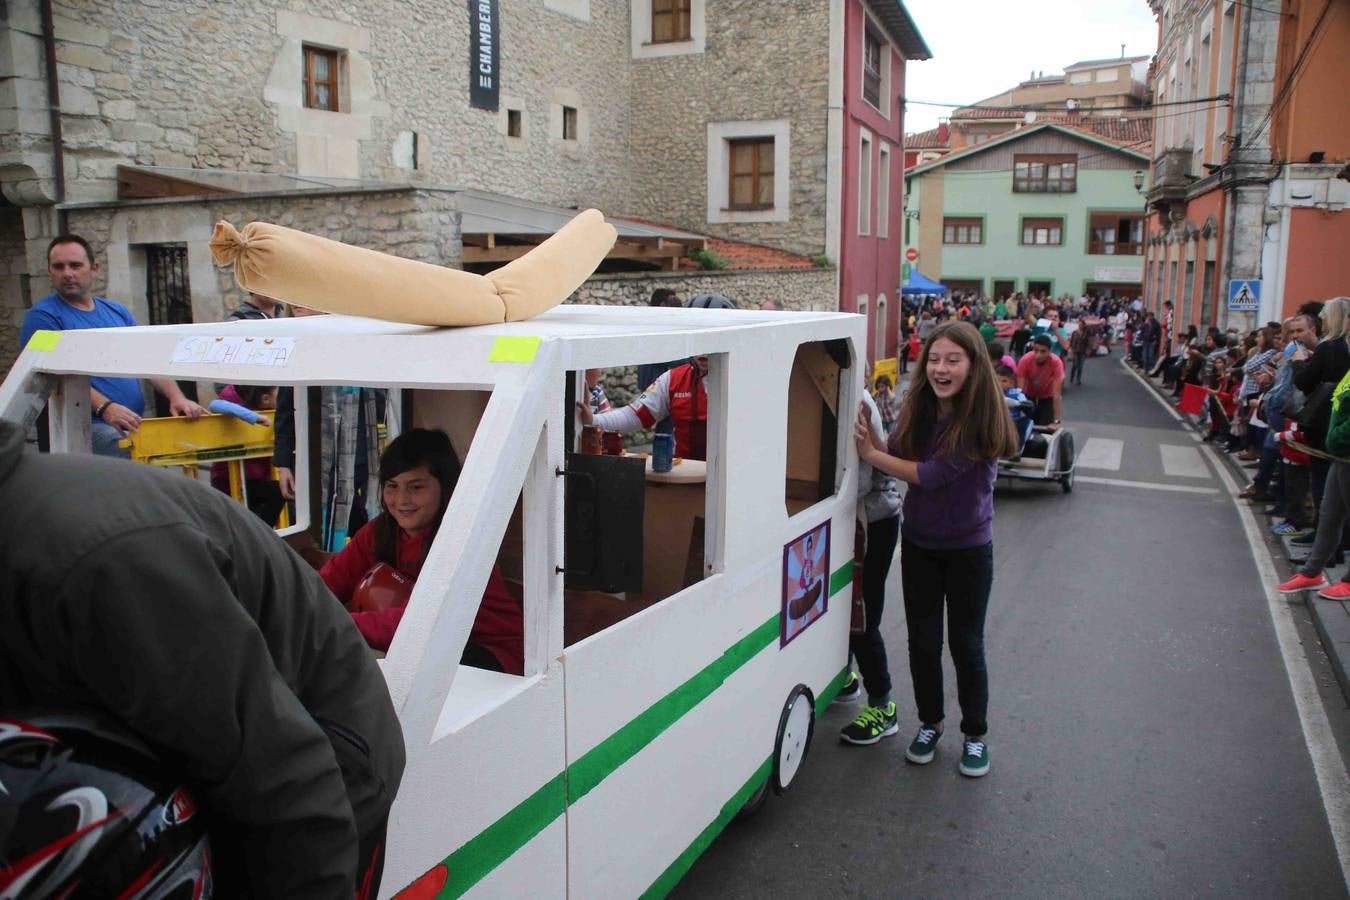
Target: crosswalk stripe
1183,462
1101,453
1146,485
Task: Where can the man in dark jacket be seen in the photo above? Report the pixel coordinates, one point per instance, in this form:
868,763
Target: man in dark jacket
145,594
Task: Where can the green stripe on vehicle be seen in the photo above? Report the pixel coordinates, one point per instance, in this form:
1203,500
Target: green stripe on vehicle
680,867
597,765
494,845
841,578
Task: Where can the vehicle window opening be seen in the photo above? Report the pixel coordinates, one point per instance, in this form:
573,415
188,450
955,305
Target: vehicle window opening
635,536
813,417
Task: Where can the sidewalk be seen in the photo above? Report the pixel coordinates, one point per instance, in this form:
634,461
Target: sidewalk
1331,617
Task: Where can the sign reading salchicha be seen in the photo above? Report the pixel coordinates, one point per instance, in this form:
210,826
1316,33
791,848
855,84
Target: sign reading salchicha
484,54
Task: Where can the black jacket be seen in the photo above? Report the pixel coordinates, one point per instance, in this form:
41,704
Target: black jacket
1328,364
141,592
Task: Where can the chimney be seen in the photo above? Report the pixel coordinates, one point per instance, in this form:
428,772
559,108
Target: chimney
944,134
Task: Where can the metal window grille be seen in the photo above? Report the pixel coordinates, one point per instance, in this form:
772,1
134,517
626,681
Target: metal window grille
166,284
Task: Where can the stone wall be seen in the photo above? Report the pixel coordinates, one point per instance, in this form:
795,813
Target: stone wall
200,84
795,289
13,272
759,64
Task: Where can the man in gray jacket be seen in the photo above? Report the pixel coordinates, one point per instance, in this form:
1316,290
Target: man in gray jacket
159,600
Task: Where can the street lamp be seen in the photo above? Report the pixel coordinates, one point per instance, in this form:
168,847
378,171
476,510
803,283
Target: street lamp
1139,181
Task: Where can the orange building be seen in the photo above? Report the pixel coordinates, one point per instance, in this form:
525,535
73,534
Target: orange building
1251,140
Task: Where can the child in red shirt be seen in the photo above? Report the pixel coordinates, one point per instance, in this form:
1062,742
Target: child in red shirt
418,472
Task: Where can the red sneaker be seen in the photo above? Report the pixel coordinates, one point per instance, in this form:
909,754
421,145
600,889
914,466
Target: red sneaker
1301,582
1338,591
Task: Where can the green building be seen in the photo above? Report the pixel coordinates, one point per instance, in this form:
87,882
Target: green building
1047,209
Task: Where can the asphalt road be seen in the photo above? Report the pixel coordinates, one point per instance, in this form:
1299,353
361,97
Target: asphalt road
1144,739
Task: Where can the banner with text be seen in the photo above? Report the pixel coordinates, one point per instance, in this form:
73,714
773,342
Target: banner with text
484,54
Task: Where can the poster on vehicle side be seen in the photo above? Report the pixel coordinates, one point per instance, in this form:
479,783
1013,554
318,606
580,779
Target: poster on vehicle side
806,572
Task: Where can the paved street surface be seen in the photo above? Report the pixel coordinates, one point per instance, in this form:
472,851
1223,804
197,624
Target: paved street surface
1144,738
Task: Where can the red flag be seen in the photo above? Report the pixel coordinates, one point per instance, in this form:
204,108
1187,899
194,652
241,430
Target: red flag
1193,399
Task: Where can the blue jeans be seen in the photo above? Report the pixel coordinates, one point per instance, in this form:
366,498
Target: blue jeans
104,440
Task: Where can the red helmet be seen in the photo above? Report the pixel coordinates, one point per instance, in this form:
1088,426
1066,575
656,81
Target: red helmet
87,810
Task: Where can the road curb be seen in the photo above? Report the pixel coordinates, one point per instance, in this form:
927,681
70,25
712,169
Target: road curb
1331,618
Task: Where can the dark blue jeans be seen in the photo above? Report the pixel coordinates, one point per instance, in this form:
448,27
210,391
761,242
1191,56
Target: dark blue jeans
957,582
868,648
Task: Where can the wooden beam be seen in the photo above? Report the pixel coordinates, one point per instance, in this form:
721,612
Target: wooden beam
135,184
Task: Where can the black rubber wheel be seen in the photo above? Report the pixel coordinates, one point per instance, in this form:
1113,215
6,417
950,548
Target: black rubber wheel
795,727
1066,462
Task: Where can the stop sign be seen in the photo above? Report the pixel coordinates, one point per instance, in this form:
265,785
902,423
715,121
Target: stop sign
912,254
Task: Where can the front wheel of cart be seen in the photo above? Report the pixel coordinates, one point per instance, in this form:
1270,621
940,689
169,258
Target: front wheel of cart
795,727
1066,462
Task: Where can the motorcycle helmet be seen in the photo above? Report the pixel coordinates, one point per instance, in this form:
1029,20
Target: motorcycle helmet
709,301
86,810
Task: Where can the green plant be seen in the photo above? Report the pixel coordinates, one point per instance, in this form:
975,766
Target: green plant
822,261
707,259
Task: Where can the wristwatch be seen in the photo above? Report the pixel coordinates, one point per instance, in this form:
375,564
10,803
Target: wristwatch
98,414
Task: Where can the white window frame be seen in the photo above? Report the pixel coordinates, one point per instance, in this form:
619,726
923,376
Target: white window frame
883,189
641,31
567,97
865,142
887,51
720,134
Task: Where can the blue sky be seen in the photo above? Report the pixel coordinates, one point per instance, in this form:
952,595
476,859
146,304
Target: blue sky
981,47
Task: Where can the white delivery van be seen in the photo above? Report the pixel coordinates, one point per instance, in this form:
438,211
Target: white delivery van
681,630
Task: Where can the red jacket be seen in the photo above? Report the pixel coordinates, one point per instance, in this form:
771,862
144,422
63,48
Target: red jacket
688,399
499,627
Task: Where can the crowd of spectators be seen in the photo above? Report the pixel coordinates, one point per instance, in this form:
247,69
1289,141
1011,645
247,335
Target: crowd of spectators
1266,397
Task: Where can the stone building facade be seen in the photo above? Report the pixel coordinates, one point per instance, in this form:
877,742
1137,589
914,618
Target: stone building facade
1254,191
593,110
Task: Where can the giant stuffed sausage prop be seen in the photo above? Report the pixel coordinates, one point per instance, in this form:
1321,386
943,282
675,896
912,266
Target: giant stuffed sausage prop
334,277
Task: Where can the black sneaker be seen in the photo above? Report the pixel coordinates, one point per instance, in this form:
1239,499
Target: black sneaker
851,690
872,724
924,745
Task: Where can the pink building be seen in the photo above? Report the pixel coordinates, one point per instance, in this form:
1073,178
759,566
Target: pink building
879,38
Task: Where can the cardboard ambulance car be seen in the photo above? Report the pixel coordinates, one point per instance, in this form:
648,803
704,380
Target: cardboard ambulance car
682,629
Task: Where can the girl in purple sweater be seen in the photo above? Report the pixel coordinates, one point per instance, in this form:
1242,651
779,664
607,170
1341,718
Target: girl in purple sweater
952,429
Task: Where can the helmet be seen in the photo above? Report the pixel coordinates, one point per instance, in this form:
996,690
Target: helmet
709,301
87,810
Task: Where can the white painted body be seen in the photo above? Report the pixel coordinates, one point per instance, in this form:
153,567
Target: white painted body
480,745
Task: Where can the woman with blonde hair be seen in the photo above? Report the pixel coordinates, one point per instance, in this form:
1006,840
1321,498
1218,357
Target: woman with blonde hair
952,429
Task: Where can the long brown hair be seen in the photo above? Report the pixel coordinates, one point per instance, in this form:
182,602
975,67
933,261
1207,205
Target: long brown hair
981,428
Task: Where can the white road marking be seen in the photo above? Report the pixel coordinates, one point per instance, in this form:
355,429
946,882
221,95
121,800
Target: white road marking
1101,453
1328,766
1147,485
1183,462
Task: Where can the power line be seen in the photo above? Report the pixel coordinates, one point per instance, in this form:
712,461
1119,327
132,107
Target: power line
1041,107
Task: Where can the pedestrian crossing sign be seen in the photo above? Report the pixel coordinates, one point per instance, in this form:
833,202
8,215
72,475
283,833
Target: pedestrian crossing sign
1244,295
